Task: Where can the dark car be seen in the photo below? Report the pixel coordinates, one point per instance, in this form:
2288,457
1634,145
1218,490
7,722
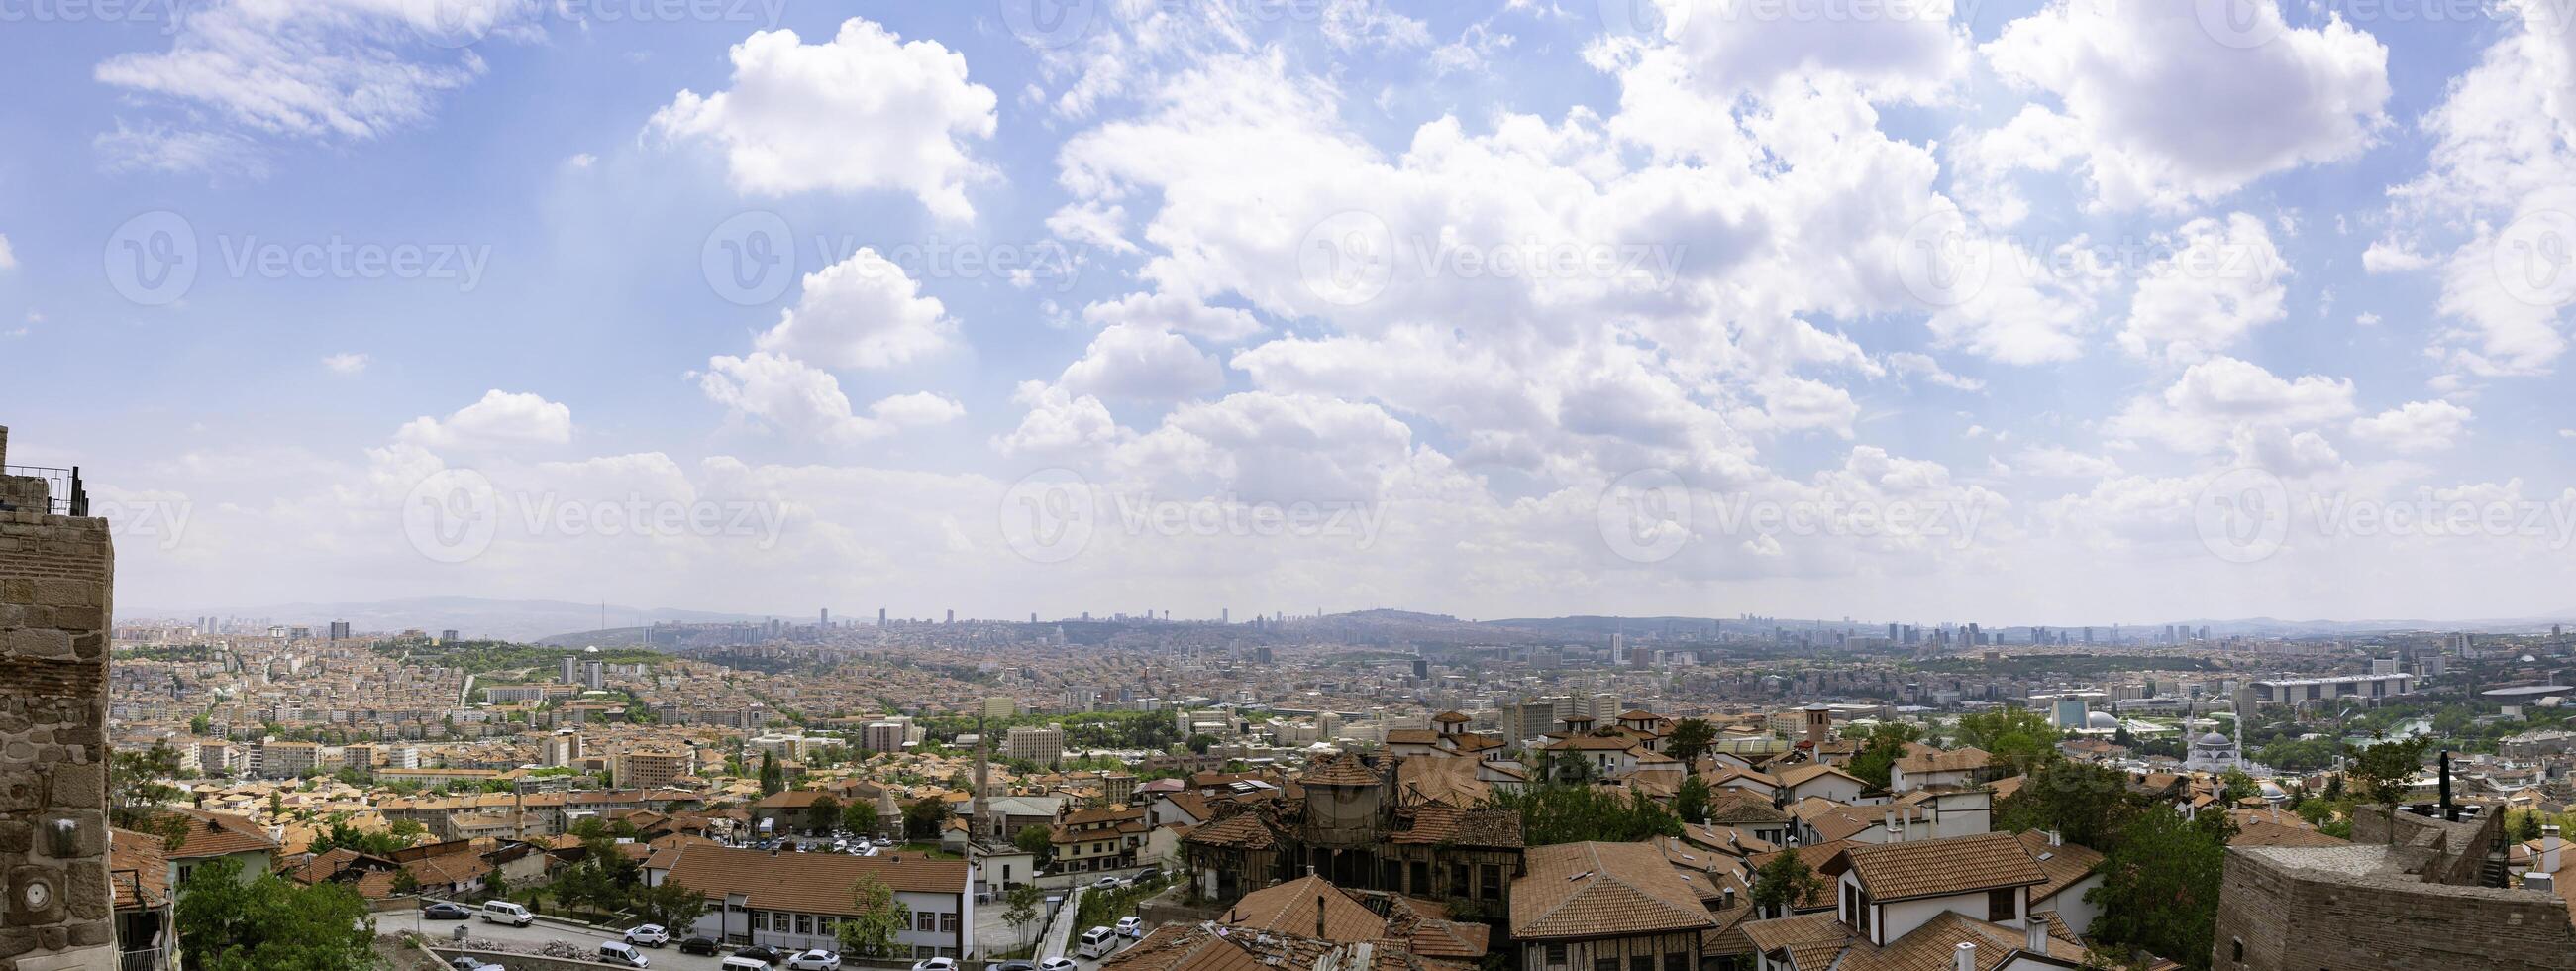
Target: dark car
442,910
700,944
1015,966
762,953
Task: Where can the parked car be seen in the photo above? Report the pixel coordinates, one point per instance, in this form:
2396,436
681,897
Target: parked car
817,959
1013,966
1104,883
443,910
1096,942
935,964
762,953
1132,928
465,963
698,944
740,963
648,935
505,912
1058,963
622,954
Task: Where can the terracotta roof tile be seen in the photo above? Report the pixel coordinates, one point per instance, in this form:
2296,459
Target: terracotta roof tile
1292,908
1601,889
1930,868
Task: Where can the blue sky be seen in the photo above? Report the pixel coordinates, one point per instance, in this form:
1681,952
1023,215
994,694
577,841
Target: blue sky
2127,310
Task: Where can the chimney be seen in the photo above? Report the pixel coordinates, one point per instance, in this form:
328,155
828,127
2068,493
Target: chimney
1894,835
1967,956
2056,838
1319,917
2038,943
2549,849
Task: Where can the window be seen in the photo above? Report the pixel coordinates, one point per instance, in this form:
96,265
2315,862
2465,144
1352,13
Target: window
948,923
804,923
1555,955
760,920
1641,962
2236,950
1605,964
2003,905
1493,887
1421,878
926,922
1676,961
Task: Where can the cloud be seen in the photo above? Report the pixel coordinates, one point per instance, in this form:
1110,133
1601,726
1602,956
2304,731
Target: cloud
2205,408
862,111
1173,312
2223,279
2417,426
2060,462
1926,368
1141,363
1901,48
346,364
501,419
1058,424
2155,105
8,256
239,73
779,392
863,312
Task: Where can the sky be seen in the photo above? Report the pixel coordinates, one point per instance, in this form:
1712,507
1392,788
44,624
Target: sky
1923,310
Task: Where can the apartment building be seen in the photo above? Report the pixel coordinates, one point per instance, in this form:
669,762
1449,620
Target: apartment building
1043,745
794,901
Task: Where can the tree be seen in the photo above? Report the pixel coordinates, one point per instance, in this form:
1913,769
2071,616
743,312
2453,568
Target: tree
2236,784
271,924
1690,739
880,918
1200,743
773,777
1877,758
1565,813
825,813
2385,771
1020,905
922,819
2085,803
2160,884
1782,883
405,883
672,904
859,816
2017,737
496,883
1037,841
1690,802
136,790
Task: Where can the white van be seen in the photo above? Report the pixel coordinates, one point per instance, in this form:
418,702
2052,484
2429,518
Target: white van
740,963
1096,942
622,954
505,912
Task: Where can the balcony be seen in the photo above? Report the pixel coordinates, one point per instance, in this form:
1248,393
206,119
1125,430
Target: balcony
148,959
66,495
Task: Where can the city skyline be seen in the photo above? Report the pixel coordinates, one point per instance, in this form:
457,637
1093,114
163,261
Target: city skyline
1954,311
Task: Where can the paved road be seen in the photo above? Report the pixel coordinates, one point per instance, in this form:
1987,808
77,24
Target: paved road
534,936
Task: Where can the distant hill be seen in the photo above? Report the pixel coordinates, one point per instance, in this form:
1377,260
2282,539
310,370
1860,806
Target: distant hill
473,617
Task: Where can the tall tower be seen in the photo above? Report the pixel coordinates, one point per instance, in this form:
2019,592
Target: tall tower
983,765
56,583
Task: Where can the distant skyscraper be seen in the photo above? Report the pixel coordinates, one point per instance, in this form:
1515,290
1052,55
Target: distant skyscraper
594,675
571,670
827,618
447,636
339,630
952,617
880,616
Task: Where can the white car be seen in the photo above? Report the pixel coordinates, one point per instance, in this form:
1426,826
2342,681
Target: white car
648,935
935,964
1104,883
1097,942
1131,927
1058,964
817,959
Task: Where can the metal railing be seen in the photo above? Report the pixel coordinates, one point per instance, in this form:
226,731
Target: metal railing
68,496
148,959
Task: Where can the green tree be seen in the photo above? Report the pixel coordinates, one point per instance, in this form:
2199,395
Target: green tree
2160,883
1877,758
2086,803
824,814
137,786
1690,802
271,924
1037,841
1020,906
671,904
880,917
1690,739
1200,744
405,883
1782,883
859,816
773,777
922,819
1567,813
2385,771
2019,738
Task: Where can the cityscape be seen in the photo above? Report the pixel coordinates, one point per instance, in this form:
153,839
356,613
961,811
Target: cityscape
1314,485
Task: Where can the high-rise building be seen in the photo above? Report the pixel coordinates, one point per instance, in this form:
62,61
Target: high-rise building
594,674
826,621
881,617
571,673
1043,745
339,630
447,636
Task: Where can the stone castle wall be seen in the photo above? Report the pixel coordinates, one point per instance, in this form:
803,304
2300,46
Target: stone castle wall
56,575
2298,919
